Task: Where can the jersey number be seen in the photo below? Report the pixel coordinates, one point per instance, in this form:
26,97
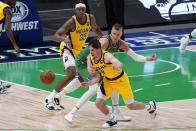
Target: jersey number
82,37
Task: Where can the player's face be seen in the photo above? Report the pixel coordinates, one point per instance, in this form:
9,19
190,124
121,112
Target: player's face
94,52
116,34
80,12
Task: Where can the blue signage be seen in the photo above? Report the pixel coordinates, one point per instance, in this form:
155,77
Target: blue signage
25,24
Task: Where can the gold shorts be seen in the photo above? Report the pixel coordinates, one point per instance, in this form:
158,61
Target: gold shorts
121,85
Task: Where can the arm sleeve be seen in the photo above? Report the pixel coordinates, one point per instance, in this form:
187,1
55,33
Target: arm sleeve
135,56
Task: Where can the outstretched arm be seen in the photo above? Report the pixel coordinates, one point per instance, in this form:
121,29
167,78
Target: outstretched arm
135,56
8,16
93,72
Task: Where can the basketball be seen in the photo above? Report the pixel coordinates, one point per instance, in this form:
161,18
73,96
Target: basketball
47,77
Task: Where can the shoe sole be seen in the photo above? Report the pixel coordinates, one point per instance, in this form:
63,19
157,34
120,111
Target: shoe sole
124,120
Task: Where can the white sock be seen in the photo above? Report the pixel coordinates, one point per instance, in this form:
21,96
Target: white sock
74,110
87,95
52,94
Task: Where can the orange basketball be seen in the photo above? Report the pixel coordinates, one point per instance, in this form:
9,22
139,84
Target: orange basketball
47,77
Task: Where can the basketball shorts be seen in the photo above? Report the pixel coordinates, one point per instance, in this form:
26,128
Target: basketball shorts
68,59
121,85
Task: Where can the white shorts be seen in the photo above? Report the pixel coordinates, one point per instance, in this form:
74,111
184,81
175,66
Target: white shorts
100,95
68,59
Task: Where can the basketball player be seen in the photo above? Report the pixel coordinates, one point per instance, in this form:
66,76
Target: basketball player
5,21
185,41
77,29
104,63
111,43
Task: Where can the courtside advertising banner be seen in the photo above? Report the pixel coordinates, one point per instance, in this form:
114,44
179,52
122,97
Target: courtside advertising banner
25,24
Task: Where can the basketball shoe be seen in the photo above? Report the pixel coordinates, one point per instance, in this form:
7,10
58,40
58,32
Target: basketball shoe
69,117
110,122
49,103
153,109
3,88
119,116
57,104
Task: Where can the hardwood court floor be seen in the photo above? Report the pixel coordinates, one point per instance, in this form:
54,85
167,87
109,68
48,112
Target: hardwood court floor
22,109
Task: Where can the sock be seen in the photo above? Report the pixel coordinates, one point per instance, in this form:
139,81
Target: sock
52,95
74,110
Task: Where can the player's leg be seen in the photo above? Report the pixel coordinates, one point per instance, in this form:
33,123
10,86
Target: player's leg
100,104
82,69
85,97
116,109
150,107
185,41
69,64
127,95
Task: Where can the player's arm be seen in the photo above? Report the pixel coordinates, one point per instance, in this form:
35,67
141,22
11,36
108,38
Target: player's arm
68,26
8,15
93,72
109,58
95,27
104,43
135,56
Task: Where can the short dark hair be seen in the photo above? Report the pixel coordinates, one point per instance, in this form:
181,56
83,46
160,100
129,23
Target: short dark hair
117,26
94,43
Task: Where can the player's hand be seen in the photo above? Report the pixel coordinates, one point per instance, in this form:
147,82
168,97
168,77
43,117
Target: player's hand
152,58
84,84
17,49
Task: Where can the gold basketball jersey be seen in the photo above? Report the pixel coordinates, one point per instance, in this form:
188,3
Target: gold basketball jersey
79,36
2,6
105,69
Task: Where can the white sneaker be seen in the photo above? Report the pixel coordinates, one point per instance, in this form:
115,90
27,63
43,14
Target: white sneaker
153,109
110,122
4,88
119,116
69,117
57,104
49,104
183,43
